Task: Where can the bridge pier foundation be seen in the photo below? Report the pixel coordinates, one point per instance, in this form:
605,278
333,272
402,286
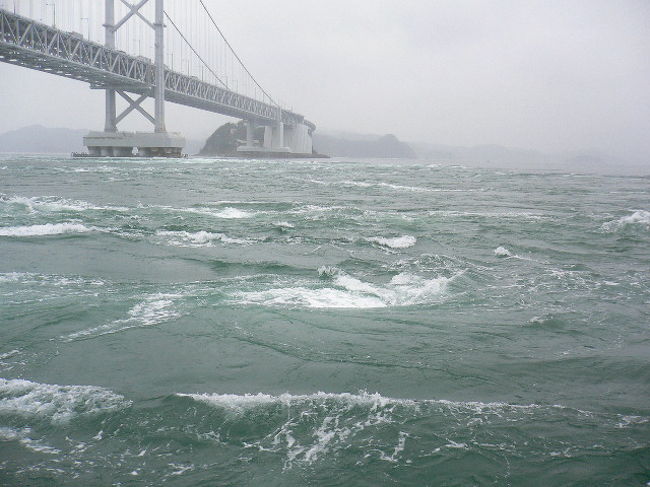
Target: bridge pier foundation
280,140
274,138
122,144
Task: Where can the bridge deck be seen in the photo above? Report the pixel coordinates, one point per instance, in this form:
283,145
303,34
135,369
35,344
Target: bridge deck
38,46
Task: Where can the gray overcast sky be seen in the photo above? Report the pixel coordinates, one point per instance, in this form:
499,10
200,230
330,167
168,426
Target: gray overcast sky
551,75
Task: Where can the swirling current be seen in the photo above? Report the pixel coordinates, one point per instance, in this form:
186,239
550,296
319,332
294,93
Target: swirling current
329,323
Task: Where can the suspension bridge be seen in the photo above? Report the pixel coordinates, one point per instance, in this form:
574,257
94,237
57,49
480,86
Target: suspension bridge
168,50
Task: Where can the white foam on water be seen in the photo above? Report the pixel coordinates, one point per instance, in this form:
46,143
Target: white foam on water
21,436
399,448
226,213
400,187
45,229
325,435
502,252
234,213
452,445
328,271
56,403
526,215
239,403
9,354
314,210
239,202
198,239
312,426
638,218
309,298
284,225
403,242
404,289
54,203
50,280
392,186
94,169
155,309
180,469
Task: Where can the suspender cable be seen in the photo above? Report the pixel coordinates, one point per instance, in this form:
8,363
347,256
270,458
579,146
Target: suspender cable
235,54
194,51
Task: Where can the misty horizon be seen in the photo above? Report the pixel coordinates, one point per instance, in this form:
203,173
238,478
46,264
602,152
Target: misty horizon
544,76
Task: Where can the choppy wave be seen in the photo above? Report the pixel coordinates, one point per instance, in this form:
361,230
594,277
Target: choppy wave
228,213
284,225
307,427
314,425
155,309
21,435
54,204
502,252
391,186
346,291
55,402
639,218
234,213
45,229
49,279
197,239
403,242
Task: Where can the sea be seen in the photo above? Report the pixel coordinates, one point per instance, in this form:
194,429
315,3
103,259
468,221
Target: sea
226,322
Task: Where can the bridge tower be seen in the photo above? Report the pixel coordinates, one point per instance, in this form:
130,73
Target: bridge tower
112,142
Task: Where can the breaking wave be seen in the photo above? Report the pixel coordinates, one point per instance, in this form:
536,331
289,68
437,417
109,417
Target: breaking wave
53,204
403,242
404,289
639,218
45,229
197,239
54,402
155,309
307,427
226,213
502,252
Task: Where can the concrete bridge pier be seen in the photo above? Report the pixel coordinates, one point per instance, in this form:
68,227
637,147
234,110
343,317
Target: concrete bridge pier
274,138
121,144
299,138
280,140
159,143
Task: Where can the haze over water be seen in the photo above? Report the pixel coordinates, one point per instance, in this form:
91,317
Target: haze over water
331,323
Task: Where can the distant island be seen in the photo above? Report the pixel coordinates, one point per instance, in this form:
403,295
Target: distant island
36,138
225,140
371,146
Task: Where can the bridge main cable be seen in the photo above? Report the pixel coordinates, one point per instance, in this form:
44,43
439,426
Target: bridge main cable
236,55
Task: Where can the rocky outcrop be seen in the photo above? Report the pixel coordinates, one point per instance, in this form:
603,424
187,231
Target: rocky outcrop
225,140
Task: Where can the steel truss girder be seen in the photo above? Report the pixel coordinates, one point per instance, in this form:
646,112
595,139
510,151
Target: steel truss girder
34,45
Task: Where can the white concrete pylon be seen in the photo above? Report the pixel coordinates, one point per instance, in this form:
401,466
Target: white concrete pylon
110,124
250,133
160,67
111,27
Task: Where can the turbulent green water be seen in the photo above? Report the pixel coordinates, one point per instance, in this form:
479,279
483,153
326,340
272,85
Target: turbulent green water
328,323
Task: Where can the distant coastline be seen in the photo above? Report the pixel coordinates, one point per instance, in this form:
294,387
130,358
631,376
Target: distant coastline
40,139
